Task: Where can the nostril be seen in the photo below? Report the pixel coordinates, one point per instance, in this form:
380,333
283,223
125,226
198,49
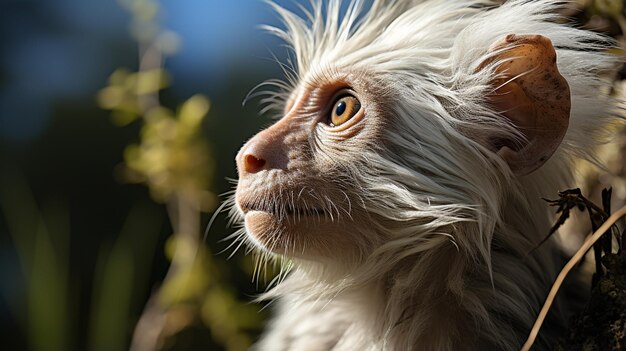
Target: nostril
252,164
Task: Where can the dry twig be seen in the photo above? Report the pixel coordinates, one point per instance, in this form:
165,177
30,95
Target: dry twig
597,235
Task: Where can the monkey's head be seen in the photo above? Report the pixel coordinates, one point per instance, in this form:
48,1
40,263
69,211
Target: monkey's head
399,128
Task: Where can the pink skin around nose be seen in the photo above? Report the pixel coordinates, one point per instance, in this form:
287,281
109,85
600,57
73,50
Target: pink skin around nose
268,150
265,151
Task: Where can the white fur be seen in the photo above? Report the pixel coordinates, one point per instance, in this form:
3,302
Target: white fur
456,274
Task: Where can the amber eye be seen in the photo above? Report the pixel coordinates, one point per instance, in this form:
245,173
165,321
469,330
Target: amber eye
344,108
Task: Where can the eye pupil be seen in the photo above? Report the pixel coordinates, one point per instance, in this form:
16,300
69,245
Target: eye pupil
341,108
344,108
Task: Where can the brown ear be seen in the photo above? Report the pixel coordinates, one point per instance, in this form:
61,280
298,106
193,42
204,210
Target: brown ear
532,94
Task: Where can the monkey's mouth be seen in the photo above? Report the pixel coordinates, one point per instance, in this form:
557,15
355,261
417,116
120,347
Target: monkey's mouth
282,210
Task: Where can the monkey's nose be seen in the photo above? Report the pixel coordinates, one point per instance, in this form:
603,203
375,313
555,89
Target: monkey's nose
252,163
255,156
261,153
265,151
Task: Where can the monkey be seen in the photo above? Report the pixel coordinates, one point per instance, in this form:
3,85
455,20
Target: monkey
403,180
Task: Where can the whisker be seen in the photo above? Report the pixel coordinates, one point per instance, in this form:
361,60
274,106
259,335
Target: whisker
217,212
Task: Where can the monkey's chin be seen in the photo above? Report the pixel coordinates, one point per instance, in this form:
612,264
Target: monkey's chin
259,226
290,235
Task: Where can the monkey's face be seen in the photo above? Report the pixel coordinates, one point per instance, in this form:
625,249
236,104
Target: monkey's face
299,178
377,159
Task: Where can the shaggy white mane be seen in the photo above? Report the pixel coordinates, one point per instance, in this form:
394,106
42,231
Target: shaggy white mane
458,270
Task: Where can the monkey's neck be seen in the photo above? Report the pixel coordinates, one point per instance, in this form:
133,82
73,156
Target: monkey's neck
441,297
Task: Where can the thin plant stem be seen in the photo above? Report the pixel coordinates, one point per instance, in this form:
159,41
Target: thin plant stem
565,271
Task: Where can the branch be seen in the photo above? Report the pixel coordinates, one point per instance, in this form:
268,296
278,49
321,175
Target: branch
565,271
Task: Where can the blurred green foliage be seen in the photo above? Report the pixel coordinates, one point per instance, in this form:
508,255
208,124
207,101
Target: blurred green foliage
173,160
41,238
43,262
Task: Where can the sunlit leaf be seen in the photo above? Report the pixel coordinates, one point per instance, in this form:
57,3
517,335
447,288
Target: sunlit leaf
118,77
193,111
147,82
110,97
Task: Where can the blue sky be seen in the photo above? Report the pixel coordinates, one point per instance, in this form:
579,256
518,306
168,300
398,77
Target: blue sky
65,49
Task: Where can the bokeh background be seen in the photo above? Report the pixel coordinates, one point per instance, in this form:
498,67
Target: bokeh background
119,123
86,240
